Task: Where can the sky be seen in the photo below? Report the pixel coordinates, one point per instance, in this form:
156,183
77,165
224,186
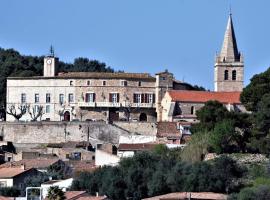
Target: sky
150,36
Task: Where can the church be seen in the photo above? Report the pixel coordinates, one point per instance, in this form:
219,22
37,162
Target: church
93,96
228,85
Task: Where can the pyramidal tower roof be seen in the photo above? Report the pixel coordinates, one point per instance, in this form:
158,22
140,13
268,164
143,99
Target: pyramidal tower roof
229,51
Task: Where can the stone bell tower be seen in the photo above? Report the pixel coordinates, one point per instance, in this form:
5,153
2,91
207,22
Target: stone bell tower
50,64
229,65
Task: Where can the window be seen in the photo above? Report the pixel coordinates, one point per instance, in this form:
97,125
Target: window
61,98
226,75
123,83
137,98
36,108
192,110
234,75
23,98
163,78
70,83
3,184
70,98
103,83
48,109
88,83
139,83
36,98
48,98
90,97
149,98
114,97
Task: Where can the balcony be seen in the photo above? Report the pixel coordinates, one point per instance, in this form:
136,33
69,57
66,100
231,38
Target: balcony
116,104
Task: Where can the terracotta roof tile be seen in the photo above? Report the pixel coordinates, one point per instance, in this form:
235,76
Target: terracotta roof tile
186,195
203,96
31,163
11,172
106,75
136,147
6,198
74,194
93,198
167,129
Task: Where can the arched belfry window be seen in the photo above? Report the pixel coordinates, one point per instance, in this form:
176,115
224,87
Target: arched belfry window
226,75
234,75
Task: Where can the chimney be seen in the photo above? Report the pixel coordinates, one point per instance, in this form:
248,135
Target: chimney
23,166
97,194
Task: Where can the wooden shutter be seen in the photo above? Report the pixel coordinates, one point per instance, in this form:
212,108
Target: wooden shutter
117,97
154,98
110,97
142,98
134,98
94,97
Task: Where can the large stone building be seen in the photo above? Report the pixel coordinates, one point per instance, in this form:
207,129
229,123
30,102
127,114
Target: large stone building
89,95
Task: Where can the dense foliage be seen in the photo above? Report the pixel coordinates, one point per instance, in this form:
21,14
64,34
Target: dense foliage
152,173
12,63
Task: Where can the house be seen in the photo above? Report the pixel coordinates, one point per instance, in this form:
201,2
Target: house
128,150
39,164
182,105
63,184
82,195
190,196
168,133
14,177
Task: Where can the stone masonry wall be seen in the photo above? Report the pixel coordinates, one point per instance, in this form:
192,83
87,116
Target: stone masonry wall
56,132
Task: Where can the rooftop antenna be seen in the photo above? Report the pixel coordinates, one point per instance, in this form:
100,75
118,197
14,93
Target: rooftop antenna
230,9
51,51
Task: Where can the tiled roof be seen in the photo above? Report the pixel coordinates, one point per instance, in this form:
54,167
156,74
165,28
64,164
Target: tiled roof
6,198
74,194
167,129
93,198
204,96
106,75
81,165
135,147
31,163
191,195
11,172
69,144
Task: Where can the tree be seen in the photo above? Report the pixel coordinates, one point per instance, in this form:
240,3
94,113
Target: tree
255,90
18,112
209,115
36,112
55,193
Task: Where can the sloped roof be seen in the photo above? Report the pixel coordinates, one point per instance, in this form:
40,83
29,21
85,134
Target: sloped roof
204,96
74,194
229,51
11,172
118,75
191,195
136,147
30,163
167,129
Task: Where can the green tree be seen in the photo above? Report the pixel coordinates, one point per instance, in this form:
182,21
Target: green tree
55,193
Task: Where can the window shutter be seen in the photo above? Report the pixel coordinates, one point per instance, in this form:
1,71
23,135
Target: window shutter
94,97
142,98
134,98
117,97
154,99
110,97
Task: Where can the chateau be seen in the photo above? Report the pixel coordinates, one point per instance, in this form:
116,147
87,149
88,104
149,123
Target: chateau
88,96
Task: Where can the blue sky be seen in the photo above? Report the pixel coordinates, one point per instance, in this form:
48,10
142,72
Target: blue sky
140,36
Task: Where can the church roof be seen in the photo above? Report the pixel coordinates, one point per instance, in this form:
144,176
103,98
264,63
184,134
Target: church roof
204,96
229,51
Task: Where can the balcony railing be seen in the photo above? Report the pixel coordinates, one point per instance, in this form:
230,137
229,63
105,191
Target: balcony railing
116,104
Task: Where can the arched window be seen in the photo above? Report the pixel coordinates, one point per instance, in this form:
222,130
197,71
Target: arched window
226,75
234,75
